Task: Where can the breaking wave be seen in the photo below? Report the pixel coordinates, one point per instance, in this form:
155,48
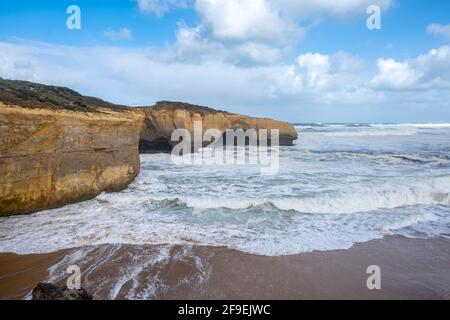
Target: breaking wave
341,184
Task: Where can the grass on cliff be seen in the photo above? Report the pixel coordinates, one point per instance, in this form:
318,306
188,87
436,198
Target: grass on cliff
34,95
186,106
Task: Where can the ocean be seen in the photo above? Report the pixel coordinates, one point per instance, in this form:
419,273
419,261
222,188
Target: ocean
340,184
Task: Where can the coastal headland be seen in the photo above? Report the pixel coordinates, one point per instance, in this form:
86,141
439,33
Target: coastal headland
58,147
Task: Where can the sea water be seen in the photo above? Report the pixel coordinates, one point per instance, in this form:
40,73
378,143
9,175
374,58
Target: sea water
339,185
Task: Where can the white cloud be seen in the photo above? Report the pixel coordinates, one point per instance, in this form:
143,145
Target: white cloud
258,23
396,75
249,32
138,76
439,29
315,68
258,53
192,45
272,20
435,67
428,71
121,34
242,20
346,63
160,7
141,76
298,9
306,9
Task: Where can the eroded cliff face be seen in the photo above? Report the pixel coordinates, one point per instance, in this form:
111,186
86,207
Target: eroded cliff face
58,147
50,158
162,119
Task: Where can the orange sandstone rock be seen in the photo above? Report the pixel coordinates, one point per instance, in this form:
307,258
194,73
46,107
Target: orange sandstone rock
58,147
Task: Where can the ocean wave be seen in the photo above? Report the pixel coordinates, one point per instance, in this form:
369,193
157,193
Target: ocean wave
268,233
358,125
374,125
369,130
383,157
329,194
361,133
430,125
300,125
261,228
433,192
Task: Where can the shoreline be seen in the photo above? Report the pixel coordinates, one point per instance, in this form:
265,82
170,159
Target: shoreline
410,269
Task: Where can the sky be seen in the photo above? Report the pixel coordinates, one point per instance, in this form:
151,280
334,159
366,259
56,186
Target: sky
294,60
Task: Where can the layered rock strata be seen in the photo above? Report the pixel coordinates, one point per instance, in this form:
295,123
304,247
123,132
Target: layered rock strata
58,147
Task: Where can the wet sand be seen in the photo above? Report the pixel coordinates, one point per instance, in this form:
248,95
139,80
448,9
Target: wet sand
410,269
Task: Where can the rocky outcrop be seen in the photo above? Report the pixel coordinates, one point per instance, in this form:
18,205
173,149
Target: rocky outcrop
162,119
46,291
58,147
49,158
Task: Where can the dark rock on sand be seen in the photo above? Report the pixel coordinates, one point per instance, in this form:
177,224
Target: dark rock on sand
46,291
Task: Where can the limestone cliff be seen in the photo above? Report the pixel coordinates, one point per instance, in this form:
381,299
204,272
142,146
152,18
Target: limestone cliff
58,147
50,157
162,119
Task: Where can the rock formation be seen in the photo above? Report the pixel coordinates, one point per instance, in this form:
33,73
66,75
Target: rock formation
59,147
46,291
165,117
49,158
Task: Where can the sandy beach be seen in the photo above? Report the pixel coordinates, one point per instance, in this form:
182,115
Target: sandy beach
225,150
410,269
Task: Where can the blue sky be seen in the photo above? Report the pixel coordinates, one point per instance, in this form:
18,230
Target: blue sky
301,61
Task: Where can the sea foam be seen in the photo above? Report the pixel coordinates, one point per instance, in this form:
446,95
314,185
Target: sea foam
333,190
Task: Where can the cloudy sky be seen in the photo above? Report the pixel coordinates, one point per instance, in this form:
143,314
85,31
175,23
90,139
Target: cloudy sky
297,60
